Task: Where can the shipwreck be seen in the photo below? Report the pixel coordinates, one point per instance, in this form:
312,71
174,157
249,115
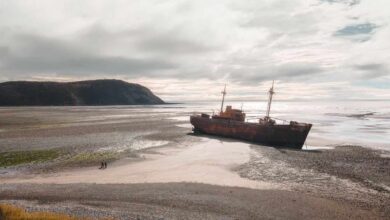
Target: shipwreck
266,131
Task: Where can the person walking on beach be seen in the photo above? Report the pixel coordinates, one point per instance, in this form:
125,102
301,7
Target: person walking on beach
101,165
105,164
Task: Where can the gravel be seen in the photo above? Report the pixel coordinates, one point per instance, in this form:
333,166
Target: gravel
178,201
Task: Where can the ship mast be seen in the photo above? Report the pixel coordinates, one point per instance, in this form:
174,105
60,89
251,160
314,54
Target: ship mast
223,98
271,93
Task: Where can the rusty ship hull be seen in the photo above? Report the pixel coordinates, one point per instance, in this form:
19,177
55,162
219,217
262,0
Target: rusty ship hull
291,135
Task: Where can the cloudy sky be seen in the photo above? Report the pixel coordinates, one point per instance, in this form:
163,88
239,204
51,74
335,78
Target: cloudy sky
187,50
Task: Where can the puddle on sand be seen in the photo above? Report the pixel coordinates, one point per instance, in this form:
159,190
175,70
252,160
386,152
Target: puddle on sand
386,155
310,147
184,125
180,118
143,144
135,142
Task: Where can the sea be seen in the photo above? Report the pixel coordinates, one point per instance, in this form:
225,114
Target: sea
365,123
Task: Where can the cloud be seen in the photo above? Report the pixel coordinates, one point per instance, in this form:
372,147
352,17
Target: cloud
370,67
145,39
167,44
285,72
372,70
33,54
176,44
348,2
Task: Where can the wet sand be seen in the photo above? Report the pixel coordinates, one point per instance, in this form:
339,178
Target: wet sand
77,132
172,179
209,161
173,175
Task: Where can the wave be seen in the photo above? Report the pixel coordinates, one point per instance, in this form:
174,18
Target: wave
360,115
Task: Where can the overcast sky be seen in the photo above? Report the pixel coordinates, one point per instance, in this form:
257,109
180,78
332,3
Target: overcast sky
187,50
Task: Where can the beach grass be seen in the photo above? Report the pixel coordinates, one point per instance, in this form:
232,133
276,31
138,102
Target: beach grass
13,158
10,212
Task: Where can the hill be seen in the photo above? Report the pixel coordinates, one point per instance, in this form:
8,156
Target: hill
92,92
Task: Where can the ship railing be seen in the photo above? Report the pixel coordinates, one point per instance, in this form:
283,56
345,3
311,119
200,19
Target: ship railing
283,120
257,119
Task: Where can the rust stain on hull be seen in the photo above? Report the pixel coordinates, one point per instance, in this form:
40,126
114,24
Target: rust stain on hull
291,135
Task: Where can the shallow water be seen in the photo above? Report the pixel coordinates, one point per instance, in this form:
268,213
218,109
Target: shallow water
365,123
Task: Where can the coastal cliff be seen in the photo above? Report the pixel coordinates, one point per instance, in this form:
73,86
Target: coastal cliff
92,92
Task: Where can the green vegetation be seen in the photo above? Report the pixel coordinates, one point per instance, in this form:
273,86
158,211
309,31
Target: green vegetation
68,159
13,158
95,156
92,92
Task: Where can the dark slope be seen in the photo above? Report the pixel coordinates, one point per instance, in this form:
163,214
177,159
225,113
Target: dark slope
93,92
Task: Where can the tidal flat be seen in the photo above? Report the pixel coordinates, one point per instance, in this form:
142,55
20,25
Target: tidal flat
50,158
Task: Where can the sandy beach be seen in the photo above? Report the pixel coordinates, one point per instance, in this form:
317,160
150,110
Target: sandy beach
158,169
